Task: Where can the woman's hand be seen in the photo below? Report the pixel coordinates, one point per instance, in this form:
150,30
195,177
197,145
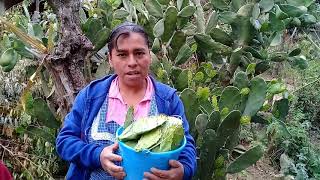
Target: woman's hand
107,157
175,173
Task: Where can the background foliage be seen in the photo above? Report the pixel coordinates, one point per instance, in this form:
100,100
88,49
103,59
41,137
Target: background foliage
230,60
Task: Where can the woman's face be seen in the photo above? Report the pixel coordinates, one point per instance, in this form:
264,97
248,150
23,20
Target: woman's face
131,60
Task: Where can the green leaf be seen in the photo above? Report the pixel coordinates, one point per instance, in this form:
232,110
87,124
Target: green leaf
156,45
187,11
297,3
227,127
254,52
260,119
214,102
182,3
266,5
172,134
277,39
115,23
237,4
129,117
227,17
207,44
178,40
30,70
170,23
279,57
199,76
154,8
20,130
105,5
103,69
295,52
158,29
276,24
245,160
164,2
114,3
184,54
148,139
43,132
175,71
155,63
243,30
261,67
37,30
251,68
5,42
201,123
120,14
212,22
91,27
219,35
241,80
281,108
27,102
128,6
308,19
191,104
244,91
295,22
203,96
143,125
230,98
265,26
255,11
258,90
214,120
207,154
276,88
293,11
101,38
182,80
42,112
298,61
246,10
138,4
219,4
280,14
235,58
9,58
83,16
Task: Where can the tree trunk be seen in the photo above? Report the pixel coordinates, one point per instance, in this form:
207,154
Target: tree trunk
66,63
2,9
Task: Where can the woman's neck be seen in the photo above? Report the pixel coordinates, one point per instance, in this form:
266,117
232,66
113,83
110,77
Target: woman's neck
132,95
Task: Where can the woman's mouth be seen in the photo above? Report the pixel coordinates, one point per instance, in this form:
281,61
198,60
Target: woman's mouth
133,73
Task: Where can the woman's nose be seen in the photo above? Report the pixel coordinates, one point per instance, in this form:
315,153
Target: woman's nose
132,60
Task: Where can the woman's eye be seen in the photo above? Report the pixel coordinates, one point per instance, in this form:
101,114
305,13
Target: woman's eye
121,55
140,53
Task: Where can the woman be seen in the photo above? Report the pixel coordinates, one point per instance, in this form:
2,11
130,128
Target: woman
87,139
4,172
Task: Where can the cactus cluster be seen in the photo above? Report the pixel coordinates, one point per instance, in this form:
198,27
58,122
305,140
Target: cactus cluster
217,131
214,63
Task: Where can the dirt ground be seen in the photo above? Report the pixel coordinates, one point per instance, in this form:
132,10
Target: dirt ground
262,170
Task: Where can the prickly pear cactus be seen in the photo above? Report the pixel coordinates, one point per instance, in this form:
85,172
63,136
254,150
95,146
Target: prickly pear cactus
213,62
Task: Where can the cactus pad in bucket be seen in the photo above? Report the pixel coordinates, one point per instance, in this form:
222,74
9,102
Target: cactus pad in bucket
150,142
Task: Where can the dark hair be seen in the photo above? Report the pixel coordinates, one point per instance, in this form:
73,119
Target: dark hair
125,29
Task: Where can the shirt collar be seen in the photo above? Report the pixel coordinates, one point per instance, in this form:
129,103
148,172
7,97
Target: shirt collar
114,91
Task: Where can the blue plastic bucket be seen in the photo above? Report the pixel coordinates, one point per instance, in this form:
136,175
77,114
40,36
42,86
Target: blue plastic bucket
136,163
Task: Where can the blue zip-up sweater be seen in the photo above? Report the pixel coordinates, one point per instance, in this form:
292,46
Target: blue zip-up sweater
72,141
